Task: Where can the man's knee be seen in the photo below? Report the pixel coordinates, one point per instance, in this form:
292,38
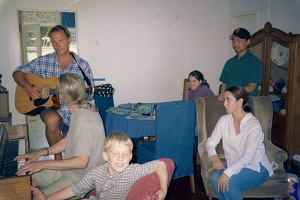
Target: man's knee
51,118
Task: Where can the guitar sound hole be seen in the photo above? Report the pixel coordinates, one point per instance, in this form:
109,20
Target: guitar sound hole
40,102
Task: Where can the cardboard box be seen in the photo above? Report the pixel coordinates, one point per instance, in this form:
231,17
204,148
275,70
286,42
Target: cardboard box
6,120
4,106
17,131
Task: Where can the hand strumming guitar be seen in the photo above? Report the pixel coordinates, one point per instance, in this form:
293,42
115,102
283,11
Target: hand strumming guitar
33,92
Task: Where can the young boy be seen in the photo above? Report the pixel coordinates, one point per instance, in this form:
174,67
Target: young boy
114,179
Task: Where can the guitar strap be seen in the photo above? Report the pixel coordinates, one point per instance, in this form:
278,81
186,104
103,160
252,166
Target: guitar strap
91,88
87,80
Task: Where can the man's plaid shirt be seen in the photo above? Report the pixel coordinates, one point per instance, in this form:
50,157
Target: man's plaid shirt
48,66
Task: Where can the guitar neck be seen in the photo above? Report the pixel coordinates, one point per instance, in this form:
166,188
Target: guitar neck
88,90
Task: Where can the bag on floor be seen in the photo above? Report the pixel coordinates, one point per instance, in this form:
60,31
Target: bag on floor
294,193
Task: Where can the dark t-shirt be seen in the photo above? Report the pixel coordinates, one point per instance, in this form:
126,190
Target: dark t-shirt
248,69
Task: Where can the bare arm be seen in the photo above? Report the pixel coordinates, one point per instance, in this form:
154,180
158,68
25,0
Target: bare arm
223,86
250,87
65,193
62,194
56,148
217,163
21,80
78,162
162,173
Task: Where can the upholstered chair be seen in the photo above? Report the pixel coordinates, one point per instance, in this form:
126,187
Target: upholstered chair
174,133
146,187
209,110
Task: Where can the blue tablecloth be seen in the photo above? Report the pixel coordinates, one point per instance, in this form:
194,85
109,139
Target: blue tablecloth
134,128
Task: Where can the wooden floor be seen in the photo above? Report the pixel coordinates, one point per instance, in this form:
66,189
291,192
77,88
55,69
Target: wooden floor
180,188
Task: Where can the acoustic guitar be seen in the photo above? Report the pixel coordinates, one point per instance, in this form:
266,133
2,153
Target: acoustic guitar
26,105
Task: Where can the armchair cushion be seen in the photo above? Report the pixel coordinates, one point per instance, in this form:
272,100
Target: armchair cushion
146,187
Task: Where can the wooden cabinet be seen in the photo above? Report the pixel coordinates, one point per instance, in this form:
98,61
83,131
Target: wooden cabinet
280,55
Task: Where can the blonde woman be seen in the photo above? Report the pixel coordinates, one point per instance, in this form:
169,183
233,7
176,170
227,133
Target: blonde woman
82,147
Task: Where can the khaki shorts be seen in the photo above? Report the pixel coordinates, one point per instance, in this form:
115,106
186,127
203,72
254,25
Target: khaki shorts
50,181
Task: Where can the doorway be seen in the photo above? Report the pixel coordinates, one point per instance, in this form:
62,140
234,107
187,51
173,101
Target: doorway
247,20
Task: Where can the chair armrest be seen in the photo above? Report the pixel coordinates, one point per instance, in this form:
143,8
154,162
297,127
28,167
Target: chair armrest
206,160
202,149
203,155
275,153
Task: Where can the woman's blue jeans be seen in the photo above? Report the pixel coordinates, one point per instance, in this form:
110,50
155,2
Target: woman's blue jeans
246,179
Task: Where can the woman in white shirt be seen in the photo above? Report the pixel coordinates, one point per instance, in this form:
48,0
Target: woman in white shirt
246,165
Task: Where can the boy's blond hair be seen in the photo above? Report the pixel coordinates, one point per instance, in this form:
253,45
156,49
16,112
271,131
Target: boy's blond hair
117,137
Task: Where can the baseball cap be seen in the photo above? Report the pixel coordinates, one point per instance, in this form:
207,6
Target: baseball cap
241,33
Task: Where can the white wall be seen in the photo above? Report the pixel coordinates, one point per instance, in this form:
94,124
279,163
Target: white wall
282,14
144,48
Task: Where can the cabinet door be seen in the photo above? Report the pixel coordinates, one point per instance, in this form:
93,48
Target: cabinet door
274,48
257,48
293,107
279,84
279,71
280,55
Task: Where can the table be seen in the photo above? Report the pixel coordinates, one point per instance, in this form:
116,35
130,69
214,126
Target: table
134,128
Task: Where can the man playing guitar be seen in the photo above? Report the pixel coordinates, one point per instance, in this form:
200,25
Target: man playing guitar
53,65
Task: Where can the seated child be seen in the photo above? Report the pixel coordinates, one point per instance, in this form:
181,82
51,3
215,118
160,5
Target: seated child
198,86
114,179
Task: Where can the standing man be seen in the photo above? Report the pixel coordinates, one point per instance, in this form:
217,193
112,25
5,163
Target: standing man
244,69
53,65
